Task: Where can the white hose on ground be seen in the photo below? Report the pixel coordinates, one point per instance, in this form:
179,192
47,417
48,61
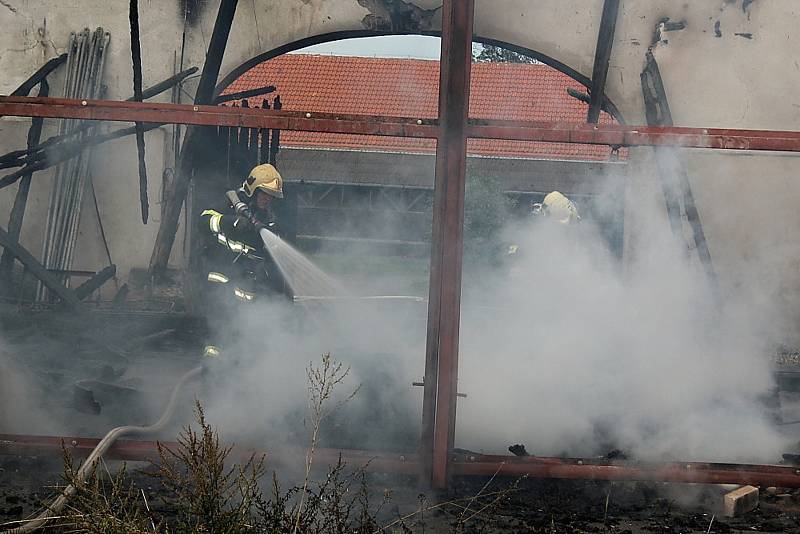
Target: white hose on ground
91,461
411,298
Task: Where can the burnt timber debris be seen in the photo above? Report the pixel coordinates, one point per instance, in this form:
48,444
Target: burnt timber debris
398,16
674,177
174,197
602,57
136,57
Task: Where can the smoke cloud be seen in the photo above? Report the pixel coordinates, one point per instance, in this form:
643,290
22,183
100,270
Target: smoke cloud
567,352
564,348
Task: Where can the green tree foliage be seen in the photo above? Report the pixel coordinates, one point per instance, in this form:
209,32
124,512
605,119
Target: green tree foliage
490,53
486,210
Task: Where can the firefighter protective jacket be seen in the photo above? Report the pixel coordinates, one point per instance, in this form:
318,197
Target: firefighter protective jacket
234,258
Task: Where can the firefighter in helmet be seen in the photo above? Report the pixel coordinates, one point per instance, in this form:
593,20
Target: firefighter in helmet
558,208
555,207
236,265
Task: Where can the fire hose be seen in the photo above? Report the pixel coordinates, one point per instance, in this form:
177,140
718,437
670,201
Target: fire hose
88,466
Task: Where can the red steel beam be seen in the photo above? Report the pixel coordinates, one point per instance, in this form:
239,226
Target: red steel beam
156,112
444,304
461,465
543,131
579,469
626,135
134,451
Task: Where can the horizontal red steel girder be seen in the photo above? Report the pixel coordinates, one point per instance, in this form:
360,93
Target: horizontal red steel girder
110,110
556,132
462,464
133,450
580,469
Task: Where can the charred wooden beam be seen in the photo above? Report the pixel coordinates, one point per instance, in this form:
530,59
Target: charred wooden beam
606,106
118,302
204,95
65,151
95,282
21,199
657,112
275,142
19,158
39,75
167,84
136,57
34,136
674,177
602,56
38,270
245,94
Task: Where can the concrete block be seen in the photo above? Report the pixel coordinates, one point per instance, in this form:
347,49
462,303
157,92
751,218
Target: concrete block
740,501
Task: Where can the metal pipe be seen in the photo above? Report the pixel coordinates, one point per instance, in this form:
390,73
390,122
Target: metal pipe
61,182
75,181
86,67
82,172
410,298
56,190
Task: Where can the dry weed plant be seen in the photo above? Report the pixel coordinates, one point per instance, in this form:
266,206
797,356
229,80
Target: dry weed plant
201,492
208,496
322,380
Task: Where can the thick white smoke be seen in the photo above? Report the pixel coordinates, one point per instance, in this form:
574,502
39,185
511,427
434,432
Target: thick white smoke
566,353
562,349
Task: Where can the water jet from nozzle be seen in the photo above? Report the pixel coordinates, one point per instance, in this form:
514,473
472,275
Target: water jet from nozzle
303,277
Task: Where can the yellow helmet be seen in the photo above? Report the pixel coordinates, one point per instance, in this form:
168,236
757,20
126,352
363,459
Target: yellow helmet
560,208
266,178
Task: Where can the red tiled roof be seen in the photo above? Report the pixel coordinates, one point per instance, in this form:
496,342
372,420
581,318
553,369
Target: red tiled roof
409,88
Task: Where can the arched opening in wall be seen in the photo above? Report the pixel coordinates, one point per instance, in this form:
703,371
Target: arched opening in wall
335,181
359,207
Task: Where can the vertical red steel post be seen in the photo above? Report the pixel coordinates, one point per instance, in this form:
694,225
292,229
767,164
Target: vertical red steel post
441,357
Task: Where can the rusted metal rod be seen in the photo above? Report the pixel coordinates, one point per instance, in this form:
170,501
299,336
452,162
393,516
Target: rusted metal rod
544,131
